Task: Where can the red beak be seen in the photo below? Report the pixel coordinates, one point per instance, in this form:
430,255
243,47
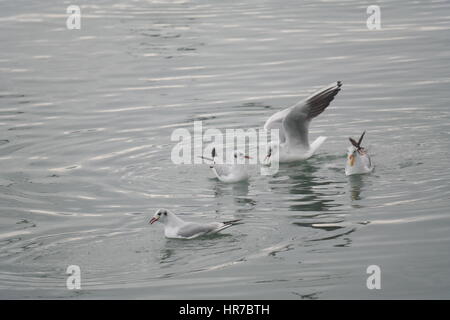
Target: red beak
247,157
153,220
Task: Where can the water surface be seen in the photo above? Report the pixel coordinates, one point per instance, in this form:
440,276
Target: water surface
85,123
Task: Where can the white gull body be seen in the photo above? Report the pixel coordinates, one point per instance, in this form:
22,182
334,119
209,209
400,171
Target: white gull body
175,227
358,159
230,173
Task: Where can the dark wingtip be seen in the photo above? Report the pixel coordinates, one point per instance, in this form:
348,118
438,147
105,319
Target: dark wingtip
233,222
213,152
353,142
361,138
339,84
357,144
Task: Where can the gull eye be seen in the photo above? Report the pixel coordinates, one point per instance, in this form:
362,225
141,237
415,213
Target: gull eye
159,213
165,213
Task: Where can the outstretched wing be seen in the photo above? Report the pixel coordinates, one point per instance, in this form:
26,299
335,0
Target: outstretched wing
357,145
276,122
296,121
361,138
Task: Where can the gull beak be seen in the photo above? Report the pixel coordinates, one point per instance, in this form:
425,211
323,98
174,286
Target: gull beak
153,220
351,159
248,157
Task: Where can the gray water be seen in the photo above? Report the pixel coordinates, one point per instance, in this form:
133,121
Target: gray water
85,122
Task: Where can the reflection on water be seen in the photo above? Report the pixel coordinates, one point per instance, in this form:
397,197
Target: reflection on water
86,118
309,192
239,193
240,189
166,255
356,183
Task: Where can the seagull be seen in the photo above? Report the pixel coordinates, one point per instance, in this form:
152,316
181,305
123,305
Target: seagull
229,173
175,227
293,124
358,159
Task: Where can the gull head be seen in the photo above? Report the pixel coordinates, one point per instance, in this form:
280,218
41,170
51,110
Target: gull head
161,215
240,155
239,158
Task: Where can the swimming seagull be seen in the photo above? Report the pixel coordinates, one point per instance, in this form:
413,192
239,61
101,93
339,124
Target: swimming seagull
229,173
175,227
358,159
293,124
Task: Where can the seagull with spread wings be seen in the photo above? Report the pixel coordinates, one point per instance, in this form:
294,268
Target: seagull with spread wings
293,125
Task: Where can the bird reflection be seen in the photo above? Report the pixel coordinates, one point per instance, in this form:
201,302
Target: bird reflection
356,185
173,249
311,199
166,254
302,181
239,192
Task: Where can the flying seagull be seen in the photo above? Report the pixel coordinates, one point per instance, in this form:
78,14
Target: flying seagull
293,125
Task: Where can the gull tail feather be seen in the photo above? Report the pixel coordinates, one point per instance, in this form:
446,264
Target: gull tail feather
227,224
233,222
316,144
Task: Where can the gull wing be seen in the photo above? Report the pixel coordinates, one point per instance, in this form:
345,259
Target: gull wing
276,122
296,121
191,229
221,170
